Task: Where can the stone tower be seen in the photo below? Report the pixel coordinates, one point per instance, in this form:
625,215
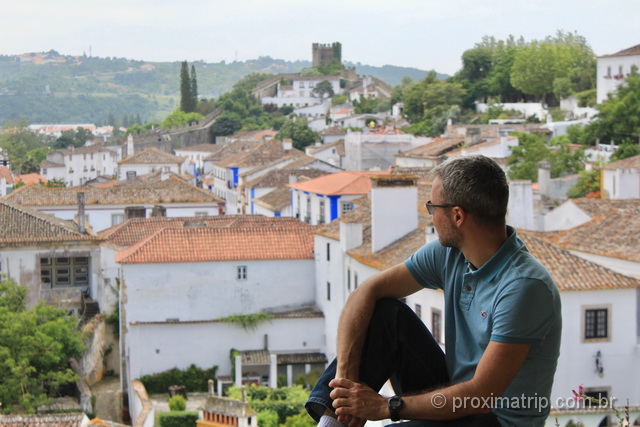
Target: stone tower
325,53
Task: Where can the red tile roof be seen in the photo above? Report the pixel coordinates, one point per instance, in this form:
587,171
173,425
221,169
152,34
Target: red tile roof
339,183
634,50
152,155
204,244
628,163
24,225
48,420
6,173
32,178
172,190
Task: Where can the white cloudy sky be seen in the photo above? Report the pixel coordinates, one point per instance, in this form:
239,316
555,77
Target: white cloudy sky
427,34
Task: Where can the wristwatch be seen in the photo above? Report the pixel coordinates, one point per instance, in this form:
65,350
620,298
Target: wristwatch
394,404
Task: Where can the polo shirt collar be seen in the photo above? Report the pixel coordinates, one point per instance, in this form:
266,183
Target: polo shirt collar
495,264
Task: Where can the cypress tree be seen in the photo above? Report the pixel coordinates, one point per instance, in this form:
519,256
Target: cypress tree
194,89
185,89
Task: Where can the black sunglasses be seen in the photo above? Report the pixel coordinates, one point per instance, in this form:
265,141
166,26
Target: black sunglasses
430,207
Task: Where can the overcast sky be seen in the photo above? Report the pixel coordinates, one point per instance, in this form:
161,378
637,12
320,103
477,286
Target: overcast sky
426,34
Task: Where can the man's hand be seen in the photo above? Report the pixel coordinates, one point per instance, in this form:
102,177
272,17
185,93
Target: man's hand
355,402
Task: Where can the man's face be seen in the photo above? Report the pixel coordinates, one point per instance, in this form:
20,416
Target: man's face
448,233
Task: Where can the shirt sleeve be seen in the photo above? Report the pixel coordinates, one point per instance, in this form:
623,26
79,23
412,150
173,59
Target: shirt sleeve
423,265
524,312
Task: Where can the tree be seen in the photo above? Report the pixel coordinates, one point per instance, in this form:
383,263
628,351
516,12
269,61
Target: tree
180,118
324,88
588,185
187,104
16,144
531,149
35,347
226,125
194,89
625,151
299,132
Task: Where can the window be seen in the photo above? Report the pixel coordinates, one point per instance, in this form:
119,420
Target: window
347,207
328,251
348,279
419,311
328,291
596,395
355,280
596,323
436,323
608,71
242,272
321,217
64,271
117,219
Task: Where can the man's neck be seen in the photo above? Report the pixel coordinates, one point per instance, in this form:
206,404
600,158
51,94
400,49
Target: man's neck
478,247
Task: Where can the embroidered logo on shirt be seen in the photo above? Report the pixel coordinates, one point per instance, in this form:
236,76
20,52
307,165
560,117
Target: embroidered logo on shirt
483,313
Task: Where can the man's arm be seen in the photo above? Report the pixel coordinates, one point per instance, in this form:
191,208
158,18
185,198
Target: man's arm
495,371
395,282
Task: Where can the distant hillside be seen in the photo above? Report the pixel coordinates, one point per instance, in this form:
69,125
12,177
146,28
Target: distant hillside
52,88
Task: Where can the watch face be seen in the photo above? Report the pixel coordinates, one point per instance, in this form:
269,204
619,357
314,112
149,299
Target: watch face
395,402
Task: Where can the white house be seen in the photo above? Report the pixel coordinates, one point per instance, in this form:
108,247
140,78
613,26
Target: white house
184,305
75,166
613,69
195,156
299,91
621,179
151,160
105,207
7,180
427,155
375,149
323,199
332,153
575,212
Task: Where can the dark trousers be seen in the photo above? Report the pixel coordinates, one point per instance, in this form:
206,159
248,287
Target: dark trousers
398,347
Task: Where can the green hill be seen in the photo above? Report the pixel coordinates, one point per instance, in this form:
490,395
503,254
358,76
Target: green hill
53,88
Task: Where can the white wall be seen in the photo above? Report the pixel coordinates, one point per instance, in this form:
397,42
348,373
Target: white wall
153,348
209,290
564,217
520,209
620,354
143,169
622,183
608,68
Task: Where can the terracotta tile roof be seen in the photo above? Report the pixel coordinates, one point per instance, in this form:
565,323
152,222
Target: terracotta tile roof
628,163
434,149
31,178
171,190
151,155
263,153
87,150
339,183
597,207
211,148
278,177
135,230
338,145
333,131
49,420
153,178
204,244
232,149
6,173
195,244
603,236
275,200
572,273
49,164
256,135
21,224
635,50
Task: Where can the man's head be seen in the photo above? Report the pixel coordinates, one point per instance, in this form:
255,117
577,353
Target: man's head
478,185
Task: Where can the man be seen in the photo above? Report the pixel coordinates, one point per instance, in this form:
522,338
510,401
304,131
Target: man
502,322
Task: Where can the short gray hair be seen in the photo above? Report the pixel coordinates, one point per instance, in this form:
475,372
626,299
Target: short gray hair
478,185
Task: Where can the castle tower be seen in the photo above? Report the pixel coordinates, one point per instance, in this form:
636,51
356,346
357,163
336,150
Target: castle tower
325,53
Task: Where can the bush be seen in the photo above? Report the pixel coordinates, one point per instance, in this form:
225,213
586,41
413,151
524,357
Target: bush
268,418
178,419
177,403
193,379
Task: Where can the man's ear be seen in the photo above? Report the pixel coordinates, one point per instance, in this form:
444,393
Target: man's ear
459,215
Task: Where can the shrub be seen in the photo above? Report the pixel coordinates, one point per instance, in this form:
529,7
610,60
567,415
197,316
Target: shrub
268,418
177,403
194,379
178,419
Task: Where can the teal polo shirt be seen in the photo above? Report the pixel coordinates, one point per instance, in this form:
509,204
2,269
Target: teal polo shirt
512,299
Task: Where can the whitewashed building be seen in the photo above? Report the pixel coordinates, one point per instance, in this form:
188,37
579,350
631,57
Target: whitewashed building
375,149
105,207
149,161
76,166
613,69
621,179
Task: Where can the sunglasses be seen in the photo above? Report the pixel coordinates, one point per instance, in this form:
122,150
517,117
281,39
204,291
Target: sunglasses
430,207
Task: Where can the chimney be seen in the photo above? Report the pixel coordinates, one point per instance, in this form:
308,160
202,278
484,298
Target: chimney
158,211
544,178
350,235
293,179
394,208
211,391
81,226
287,144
